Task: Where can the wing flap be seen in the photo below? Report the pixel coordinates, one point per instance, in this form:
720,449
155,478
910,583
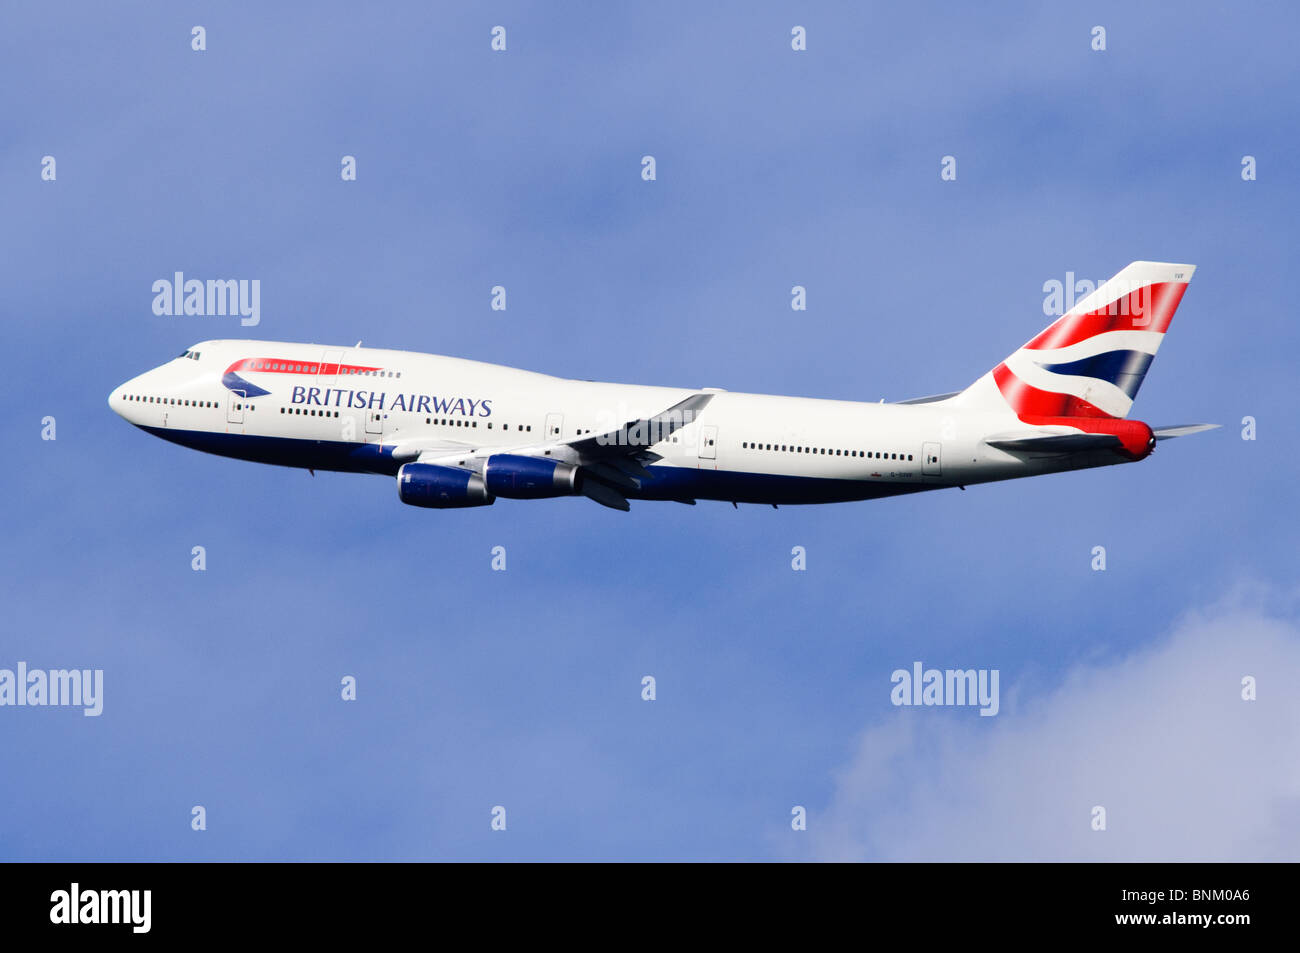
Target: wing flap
605,495
607,473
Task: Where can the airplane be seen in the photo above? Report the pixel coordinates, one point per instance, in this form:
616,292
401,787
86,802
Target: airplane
460,433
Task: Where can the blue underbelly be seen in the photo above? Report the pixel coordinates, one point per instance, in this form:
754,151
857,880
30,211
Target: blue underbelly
669,483
299,452
676,483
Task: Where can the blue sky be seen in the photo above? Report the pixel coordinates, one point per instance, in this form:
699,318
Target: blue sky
479,688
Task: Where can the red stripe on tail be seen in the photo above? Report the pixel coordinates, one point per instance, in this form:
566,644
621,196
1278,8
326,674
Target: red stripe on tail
1029,401
1149,308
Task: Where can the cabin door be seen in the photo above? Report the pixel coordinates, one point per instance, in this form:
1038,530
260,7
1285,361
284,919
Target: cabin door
931,465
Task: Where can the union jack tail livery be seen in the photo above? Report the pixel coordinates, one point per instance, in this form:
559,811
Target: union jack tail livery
1091,362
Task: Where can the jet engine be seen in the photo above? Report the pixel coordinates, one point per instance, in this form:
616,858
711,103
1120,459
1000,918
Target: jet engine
518,477
441,488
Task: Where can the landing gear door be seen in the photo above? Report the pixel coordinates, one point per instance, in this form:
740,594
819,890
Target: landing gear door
931,464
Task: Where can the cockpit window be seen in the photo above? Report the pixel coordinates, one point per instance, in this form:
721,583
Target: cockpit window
192,355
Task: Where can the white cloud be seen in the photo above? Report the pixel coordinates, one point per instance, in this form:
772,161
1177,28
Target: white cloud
1162,739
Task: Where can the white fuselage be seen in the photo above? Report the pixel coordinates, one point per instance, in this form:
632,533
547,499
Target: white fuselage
366,409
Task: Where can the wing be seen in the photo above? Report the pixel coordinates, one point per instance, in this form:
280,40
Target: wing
637,436
612,463
616,461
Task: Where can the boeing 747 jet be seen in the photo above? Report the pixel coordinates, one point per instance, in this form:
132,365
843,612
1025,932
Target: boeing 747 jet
458,433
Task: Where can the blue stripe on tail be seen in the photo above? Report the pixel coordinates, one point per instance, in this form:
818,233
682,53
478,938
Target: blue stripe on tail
1124,369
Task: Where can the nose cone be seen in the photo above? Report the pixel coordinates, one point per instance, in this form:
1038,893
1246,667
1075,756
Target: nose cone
117,400
120,399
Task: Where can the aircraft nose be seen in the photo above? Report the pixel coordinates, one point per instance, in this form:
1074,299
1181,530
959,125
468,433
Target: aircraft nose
118,398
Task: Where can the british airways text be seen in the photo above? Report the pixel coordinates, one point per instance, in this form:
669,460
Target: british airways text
379,400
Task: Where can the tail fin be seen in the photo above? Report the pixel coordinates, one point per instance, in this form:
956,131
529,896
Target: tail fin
1090,362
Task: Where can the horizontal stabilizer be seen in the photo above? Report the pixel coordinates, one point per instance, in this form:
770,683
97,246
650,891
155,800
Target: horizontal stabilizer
1058,443
1182,430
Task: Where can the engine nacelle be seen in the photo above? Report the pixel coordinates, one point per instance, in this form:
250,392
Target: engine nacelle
530,478
441,488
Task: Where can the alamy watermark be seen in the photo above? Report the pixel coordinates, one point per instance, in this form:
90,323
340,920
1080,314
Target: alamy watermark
614,430
1132,298
127,907
59,687
951,687
215,297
